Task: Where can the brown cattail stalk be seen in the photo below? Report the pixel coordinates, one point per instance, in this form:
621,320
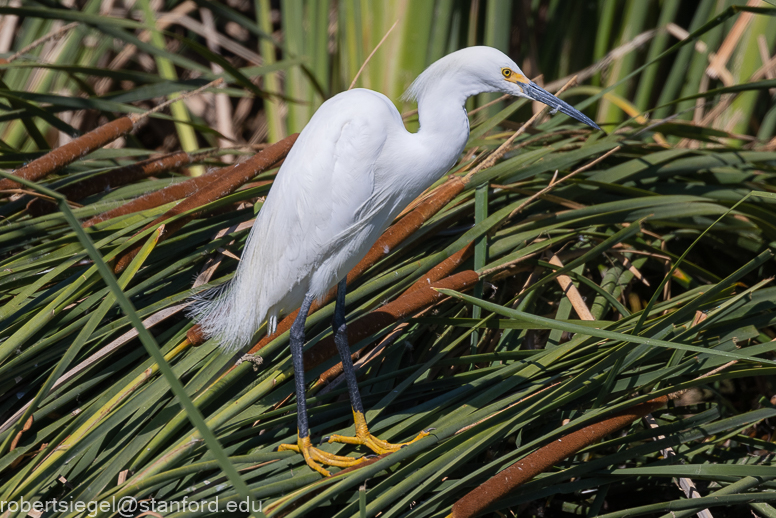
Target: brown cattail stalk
40,41
163,196
409,224
443,269
115,178
547,456
220,183
154,199
64,155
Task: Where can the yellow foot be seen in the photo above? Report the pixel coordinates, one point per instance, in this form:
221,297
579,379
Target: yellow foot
365,438
313,456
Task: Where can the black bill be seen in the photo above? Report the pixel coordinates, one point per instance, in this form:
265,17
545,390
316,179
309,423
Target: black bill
538,93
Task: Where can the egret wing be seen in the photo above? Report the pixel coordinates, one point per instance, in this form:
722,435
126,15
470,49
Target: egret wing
315,199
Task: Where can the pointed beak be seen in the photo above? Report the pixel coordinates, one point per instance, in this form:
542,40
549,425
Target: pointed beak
538,93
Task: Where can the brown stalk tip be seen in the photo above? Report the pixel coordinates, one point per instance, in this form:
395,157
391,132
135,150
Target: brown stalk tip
124,261
195,335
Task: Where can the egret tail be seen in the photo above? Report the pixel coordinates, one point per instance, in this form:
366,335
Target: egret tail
234,311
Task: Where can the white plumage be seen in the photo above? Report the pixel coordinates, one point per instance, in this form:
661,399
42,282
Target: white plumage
352,170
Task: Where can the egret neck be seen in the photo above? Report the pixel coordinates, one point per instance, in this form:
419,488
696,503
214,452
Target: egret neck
444,125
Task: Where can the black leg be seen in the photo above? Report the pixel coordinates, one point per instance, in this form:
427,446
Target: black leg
362,436
341,340
312,455
297,344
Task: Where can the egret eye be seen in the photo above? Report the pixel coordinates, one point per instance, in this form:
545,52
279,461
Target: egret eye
506,72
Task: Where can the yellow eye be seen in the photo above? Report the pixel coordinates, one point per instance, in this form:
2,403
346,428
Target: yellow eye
506,72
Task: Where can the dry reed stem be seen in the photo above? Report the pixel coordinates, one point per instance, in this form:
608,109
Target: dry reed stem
488,105
716,69
8,24
547,456
221,183
40,41
629,265
611,56
572,292
67,154
518,402
563,202
222,105
687,486
219,39
119,62
369,57
210,266
727,99
115,178
555,184
40,196
510,268
136,117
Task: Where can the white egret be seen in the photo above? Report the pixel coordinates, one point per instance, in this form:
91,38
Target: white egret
352,170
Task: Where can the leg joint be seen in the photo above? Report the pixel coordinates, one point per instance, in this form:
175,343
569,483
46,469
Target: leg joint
339,327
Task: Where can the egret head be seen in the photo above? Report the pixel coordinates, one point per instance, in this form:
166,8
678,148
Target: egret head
476,70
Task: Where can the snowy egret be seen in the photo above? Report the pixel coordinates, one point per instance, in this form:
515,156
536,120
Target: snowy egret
352,170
